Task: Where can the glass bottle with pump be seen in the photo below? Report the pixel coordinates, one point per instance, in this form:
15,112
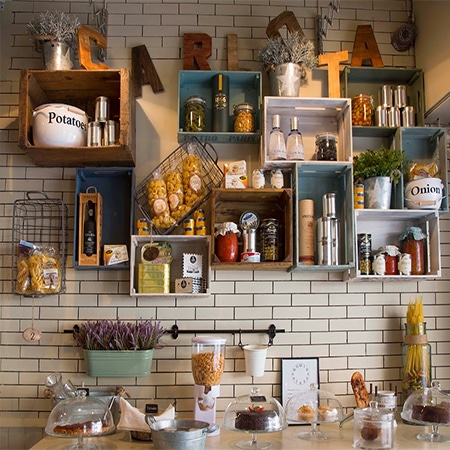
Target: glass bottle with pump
90,231
294,143
277,143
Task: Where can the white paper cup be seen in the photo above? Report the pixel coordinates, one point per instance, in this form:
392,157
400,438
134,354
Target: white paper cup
255,359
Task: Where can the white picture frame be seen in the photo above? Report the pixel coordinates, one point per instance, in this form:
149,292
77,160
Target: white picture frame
297,375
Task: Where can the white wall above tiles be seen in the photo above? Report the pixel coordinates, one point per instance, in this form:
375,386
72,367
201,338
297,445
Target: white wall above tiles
348,326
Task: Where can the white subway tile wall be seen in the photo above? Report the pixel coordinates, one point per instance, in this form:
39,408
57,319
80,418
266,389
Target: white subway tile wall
349,326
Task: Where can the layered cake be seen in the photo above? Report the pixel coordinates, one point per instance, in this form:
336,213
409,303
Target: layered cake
432,413
257,420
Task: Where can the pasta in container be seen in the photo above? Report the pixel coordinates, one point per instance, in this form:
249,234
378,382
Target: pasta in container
187,177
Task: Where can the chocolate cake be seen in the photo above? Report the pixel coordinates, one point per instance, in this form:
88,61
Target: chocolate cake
257,420
434,414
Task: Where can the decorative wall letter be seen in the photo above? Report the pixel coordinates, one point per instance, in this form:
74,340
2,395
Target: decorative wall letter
365,47
143,71
84,36
332,60
285,18
196,47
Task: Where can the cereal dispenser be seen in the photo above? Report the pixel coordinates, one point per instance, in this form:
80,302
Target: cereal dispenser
208,359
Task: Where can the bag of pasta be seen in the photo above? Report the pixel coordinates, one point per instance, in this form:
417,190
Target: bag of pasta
193,185
158,201
175,194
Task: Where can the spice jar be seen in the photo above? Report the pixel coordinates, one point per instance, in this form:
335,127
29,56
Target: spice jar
362,106
195,114
244,120
226,245
269,240
412,242
326,147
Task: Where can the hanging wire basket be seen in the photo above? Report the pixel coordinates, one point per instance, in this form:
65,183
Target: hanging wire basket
180,162
39,236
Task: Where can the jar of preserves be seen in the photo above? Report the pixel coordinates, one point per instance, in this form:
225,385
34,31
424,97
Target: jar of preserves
269,240
412,242
195,114
392,253
244,119
362,108
226,242
326,147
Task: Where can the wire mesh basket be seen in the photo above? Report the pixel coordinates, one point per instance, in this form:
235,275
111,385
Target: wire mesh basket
39,245
208,177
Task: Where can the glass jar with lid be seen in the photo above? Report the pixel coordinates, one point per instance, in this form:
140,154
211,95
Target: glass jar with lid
326,147
362,109
270,240
195,114
244,118
412,243
226,242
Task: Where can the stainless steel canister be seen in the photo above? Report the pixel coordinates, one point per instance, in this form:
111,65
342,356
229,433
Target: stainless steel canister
400,98
249,240
101,109
110,133
329,204
94,135
394,117
328,241
381,116
408,116
385,96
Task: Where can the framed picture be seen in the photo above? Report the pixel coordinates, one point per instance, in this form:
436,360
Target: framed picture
297,374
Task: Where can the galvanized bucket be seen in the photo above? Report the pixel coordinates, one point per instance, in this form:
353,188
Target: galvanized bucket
285,80
56,55
377,192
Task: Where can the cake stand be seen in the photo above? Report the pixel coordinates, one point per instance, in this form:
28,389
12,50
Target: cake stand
272,415
313,407
428,407
80,417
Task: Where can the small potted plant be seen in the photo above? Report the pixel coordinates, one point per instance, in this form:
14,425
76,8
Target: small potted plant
54,34
285,59
378,169
117,348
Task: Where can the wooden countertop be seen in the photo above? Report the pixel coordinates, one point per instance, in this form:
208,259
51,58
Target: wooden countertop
339,439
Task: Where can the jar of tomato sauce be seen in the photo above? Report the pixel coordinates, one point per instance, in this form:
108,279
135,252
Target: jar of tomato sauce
412,242
226,242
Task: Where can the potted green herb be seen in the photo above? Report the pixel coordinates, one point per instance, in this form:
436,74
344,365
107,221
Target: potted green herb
54,34
117,348
285,59
378,169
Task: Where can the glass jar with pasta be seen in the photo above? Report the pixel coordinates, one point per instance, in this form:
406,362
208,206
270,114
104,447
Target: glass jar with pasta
195,114
244,119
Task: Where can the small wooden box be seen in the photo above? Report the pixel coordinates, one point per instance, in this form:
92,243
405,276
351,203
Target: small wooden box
96,198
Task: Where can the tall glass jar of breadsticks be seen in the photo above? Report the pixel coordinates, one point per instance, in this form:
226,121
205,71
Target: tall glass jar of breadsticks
416,351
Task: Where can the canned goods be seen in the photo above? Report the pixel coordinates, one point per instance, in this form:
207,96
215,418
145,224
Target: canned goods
110,133
250,257
94,134
408,116
359,196
200,230
394,117
188,227
362,106
385,96
101,109
269,239
199,214
195,114
400,99
249,240
381,116
244,119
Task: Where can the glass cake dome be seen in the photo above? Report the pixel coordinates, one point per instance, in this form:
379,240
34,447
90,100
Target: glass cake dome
254,413
78,417
428,406
314,406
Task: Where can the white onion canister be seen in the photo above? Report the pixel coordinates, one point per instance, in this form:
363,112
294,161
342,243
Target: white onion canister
59,125
424,193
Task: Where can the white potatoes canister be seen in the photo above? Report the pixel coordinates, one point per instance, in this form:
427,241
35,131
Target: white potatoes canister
59,125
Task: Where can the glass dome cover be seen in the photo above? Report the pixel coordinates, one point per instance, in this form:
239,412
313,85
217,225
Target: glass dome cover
80,416
429,406
254,413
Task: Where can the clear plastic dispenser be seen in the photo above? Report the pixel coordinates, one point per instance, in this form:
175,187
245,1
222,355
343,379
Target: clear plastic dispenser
314,406
373,427
255,414
79,417
428,407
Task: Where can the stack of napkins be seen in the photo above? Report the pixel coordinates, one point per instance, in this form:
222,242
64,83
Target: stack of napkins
131,419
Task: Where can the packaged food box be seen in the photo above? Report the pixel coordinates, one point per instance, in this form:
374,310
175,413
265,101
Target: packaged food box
154,278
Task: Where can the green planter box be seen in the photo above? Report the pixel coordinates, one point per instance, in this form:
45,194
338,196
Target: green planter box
118,363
